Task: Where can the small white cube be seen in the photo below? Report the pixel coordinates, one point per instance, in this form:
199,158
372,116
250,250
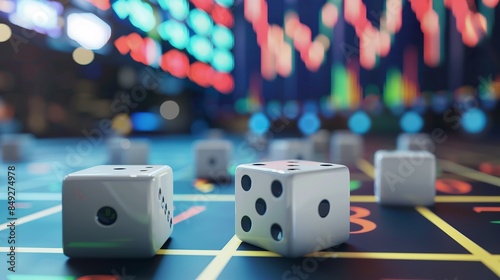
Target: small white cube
117,211
292,207
128,152
16,147
212,159
405,178
415,142
321,141
282,149
346,147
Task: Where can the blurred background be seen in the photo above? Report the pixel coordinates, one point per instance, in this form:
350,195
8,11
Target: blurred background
182,66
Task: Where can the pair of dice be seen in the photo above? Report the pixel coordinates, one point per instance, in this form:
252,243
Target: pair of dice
289,207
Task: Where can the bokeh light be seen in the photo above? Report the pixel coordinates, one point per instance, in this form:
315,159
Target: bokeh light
83,56
5,32
201,48
200,22
273,109
291,109
222,37
309,123
359,122
258,123
169,110
223,60
474,121
411,122
121,124
145,121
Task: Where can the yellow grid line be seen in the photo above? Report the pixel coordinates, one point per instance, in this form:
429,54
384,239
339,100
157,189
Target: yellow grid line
250,253
215,267
469,172
476,250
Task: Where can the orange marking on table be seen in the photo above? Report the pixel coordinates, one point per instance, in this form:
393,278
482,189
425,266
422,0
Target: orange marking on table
452,186
193,211
486,209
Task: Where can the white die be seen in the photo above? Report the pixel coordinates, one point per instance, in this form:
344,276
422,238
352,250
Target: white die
321,141
16,147
212,159
346,147
299,149
405,178
415,142
117,211
128,152
292,207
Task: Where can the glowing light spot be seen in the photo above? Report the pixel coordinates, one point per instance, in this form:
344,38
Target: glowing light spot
323,40
201,73
88,30
201,48
359,122
83,56
411,122
145,121
223,60
176,63
309,123
291,109
474,121
490,3
121,124
179,9
329,15
258,123
223,82
225,3
177,34
273,109
222,37
200,22
5,32
222,16
169,110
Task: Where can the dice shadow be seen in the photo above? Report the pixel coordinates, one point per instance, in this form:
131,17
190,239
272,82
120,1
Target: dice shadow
124,268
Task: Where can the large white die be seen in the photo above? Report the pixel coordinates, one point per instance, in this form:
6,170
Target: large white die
346,147
282,149
117,211
292,207
405,178
128,152
415,142
212,159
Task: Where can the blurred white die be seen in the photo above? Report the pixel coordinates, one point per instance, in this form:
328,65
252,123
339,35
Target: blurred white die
405,178
16,147
128,152
292,207
321,141
415,142
212,159
346,147
282,149
117,211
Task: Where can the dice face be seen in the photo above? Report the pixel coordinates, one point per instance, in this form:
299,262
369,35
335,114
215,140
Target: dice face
16,147
117,211
128,152
405,178
292,207
415,142
346,148
283,149
212,159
